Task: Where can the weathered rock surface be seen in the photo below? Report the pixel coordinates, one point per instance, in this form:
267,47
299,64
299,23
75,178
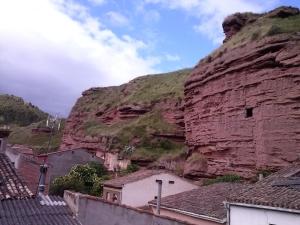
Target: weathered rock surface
102,115
242,109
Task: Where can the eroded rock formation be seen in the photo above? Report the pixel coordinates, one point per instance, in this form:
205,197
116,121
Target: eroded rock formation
111,118
242,108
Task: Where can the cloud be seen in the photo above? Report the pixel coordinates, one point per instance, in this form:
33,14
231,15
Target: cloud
117,19
52,50
211,13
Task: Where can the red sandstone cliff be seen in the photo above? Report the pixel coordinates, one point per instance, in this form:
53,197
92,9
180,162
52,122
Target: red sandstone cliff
240,112
242,103
145,114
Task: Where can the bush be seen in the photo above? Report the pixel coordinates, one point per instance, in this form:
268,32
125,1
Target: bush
86,179
255,35
274,30
131,168
231,178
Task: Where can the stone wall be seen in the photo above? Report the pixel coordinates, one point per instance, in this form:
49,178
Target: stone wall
91,210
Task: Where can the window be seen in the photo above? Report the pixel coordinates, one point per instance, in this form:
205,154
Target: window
115,198
107,196
249,112
171,182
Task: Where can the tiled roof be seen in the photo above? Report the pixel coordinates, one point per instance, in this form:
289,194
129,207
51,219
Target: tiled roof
11,186
204,201
32,212
282,189
139,175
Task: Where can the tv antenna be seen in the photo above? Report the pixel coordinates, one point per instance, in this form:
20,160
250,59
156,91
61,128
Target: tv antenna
53,123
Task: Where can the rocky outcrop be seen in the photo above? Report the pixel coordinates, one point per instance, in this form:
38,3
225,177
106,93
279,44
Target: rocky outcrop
234,23
110,118
242,108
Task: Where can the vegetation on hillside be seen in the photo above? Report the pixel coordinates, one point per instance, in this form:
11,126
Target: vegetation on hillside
37,141
14,110
142,90
264,26
228,178
145,91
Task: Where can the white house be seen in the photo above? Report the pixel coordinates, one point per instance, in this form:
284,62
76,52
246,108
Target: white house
272,201
138,188
201,206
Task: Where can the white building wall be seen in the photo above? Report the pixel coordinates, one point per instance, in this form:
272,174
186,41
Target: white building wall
139,193
252,216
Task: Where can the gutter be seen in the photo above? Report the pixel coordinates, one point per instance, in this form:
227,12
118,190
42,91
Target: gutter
209,218
262,207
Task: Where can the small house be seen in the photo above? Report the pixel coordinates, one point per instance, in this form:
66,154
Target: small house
138,188
201,206
274,200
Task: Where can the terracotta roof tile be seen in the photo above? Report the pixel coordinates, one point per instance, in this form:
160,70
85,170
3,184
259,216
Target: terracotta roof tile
282,189
141,174
205,201
11,185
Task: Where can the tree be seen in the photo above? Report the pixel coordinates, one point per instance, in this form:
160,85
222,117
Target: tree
86,179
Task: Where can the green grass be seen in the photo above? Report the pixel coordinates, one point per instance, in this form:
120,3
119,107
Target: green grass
151,88
145,90
229,178
152,154
141,127
262,27
142,90
38,142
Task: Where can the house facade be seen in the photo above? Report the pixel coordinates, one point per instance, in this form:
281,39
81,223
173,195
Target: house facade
272,201
138,188
59,163
201,206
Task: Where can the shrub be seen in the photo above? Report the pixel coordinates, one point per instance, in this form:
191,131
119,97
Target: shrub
86,179
255,35
274,30
226,178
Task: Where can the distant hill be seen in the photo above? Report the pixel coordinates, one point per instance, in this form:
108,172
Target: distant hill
14,110
23,117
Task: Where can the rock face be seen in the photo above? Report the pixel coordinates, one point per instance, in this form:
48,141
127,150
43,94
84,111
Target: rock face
145,113
242,108
234,23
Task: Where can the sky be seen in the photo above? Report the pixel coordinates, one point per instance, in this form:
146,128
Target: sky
53,50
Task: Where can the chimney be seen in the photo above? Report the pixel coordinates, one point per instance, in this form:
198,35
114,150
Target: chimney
4,133
260,176
42,180
159,182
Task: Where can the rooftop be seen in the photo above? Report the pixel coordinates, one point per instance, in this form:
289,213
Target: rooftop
50,211
205,201
11,185
280,190
136,176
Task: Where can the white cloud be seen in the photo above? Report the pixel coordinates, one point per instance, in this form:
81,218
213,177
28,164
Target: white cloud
50,51
211,13
117,19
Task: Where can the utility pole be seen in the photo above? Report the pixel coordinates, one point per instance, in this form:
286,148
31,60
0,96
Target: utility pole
159,182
